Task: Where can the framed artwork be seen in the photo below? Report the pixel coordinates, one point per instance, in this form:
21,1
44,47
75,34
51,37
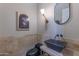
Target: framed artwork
22,22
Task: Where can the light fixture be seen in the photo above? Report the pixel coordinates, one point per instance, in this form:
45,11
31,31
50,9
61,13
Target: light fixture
43,13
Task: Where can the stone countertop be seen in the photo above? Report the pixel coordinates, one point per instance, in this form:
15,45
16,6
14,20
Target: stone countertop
51,52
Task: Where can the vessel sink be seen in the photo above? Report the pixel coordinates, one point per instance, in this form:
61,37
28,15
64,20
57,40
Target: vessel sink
55,44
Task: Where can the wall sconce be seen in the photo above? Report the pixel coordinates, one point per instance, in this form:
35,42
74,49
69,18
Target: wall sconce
43,13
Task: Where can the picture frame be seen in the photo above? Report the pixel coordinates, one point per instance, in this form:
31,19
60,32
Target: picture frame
22,21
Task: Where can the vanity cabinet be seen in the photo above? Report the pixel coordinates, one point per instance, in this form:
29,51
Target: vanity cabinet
49,52
45,51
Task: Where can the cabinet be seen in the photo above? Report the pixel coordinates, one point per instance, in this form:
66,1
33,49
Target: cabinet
49,52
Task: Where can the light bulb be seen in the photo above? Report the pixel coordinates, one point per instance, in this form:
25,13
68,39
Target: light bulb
42,11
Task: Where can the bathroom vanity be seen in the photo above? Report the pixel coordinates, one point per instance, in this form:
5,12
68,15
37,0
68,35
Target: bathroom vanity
53,47
50,52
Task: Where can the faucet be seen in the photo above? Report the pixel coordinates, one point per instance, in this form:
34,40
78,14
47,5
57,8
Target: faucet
56,36
59,37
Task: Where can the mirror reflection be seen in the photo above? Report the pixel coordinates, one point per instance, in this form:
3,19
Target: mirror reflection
61,13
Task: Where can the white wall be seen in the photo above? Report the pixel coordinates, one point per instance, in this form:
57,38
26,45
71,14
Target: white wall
53,28
8,18
71,30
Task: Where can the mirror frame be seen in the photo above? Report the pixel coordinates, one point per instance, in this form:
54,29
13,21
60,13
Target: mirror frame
57,22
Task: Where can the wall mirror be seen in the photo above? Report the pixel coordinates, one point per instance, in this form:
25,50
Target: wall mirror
61,13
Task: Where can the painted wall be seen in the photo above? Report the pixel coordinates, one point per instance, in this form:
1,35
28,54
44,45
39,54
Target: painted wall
8,27
8,19
53,28
71,30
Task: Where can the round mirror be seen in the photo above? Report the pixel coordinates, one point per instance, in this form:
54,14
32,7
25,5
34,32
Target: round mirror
61,13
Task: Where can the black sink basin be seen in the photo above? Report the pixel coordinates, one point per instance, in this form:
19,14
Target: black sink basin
55,44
